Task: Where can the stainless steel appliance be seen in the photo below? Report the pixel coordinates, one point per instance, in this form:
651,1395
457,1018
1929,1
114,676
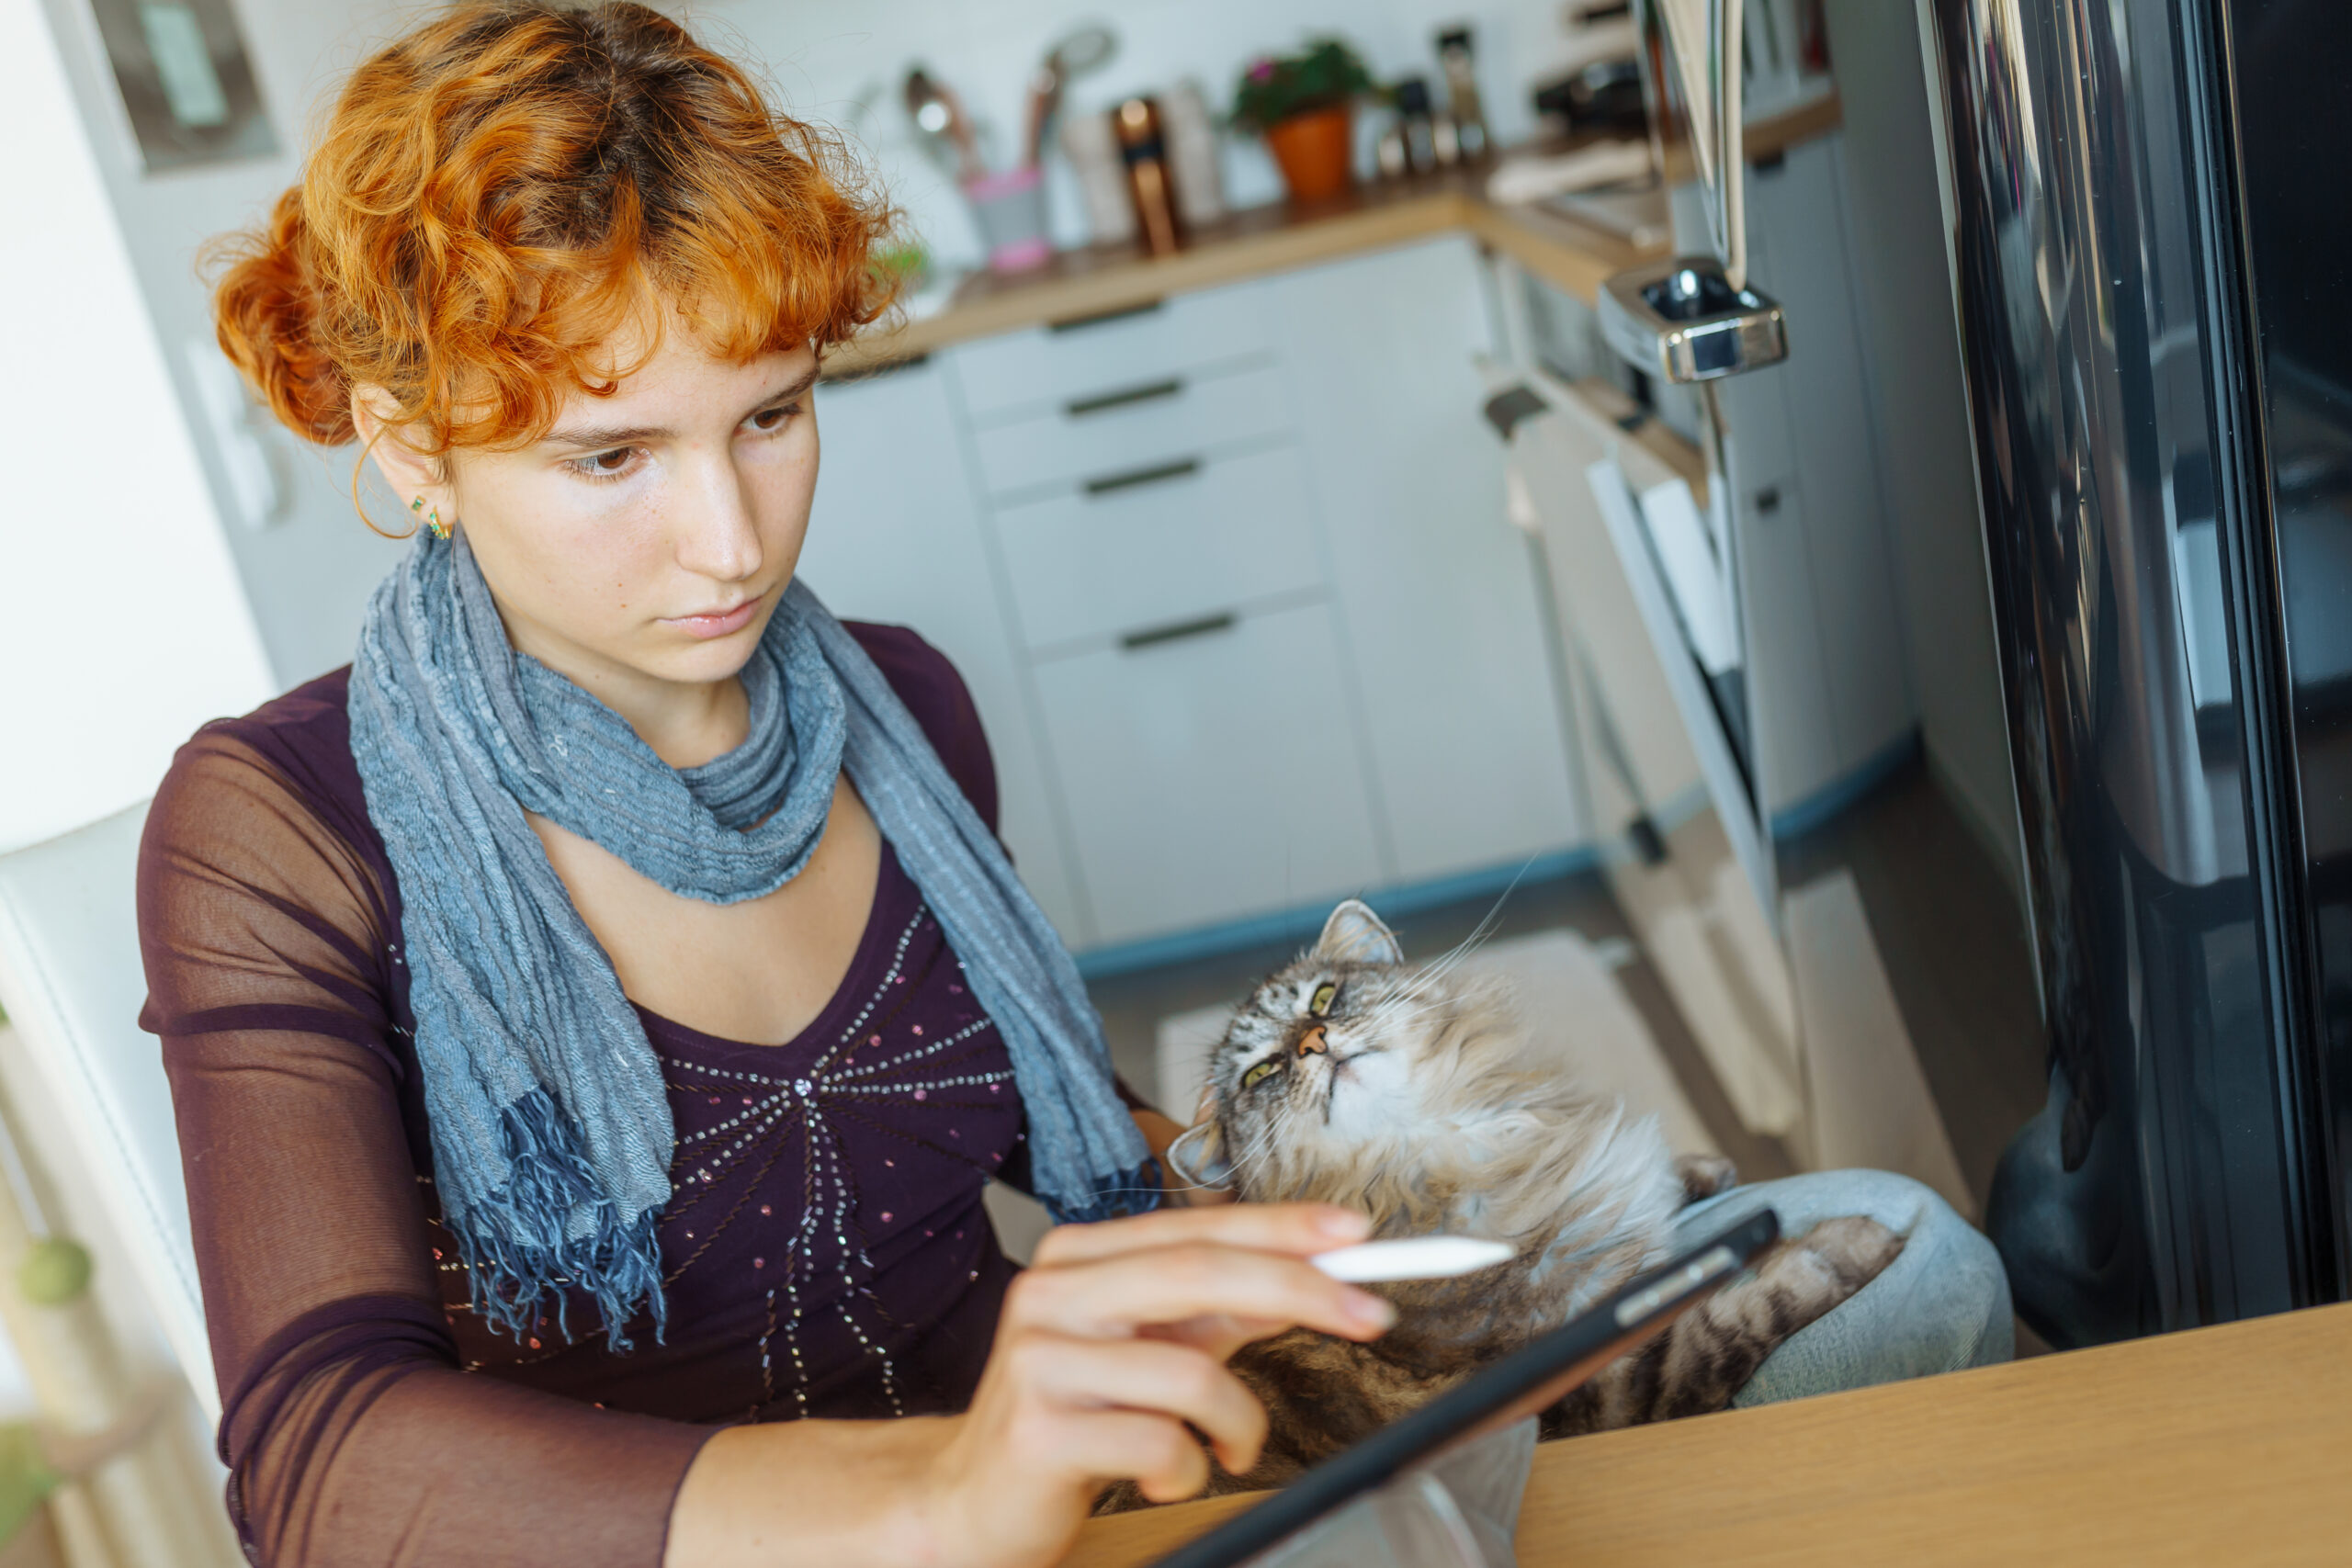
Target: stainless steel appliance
2153,258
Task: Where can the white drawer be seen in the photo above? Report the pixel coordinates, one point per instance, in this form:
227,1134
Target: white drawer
1045,366
1186,419
1211,776
1235,528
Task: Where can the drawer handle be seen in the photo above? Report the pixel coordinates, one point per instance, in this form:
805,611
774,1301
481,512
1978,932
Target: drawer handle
1152,637
1104,318
1159,473
1079,408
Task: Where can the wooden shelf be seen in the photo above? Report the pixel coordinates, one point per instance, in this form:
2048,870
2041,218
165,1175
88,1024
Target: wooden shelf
1256,242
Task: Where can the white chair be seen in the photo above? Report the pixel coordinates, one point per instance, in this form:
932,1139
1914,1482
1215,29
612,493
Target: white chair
72,983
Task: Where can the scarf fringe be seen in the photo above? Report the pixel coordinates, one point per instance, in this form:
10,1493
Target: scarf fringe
518,1246
1136,1191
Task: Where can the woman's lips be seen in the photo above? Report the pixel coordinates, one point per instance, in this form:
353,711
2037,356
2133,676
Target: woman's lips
708,623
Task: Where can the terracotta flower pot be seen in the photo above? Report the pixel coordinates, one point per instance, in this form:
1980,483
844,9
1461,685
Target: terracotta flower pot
1316,152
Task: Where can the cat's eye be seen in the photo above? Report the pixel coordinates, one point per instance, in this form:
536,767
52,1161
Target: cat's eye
1322,1004
1251,1078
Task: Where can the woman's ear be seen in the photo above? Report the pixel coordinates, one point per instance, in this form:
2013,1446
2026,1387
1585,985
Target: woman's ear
410,473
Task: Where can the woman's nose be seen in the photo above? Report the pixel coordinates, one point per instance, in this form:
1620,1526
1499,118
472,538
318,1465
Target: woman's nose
718,533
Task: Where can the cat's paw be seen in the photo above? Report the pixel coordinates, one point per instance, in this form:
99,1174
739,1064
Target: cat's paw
1703,1175
1853,1248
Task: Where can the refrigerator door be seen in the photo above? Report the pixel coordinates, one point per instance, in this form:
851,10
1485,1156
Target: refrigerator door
2289,100
2177,1175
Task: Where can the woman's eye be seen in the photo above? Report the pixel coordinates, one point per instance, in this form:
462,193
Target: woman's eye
609,465
768,421
1251,1078
1324,994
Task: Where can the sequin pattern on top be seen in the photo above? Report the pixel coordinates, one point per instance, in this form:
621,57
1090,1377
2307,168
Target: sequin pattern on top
831,1237
825,1224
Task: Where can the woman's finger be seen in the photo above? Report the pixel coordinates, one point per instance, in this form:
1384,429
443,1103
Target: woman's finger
1219,1333
1162,1459
1114,1297
1156,1378
1302,1229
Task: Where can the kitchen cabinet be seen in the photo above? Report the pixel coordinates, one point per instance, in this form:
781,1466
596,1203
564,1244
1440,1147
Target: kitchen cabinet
1434,587
1827,662
1231,580
1212,772
895,534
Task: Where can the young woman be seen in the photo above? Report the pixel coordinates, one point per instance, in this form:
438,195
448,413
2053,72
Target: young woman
594,1014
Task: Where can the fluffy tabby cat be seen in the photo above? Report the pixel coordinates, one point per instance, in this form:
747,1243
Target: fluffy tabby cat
1422,1097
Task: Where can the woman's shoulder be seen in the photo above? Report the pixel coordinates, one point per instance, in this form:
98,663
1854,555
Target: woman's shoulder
935,693
265,898
295,749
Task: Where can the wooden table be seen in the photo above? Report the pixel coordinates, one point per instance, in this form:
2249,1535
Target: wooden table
2220,1446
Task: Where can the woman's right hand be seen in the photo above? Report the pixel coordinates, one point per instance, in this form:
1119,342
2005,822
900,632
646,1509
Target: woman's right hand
1112,1341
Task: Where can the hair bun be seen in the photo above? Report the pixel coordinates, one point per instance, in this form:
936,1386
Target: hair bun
265,307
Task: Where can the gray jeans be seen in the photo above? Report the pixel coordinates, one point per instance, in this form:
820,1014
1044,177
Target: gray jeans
1941,1306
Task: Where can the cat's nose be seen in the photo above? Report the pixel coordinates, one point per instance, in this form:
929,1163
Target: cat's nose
1313,1044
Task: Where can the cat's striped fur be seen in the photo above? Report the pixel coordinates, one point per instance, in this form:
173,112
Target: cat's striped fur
1422,1097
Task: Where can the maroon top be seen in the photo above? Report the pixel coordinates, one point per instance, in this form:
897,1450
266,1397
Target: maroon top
825,1251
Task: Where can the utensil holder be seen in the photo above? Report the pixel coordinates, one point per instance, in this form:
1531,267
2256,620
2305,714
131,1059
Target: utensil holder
1011,211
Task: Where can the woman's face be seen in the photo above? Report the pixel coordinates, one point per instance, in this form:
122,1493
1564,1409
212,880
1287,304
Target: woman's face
645,541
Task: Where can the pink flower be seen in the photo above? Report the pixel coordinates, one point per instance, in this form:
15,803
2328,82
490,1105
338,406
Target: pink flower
1261,70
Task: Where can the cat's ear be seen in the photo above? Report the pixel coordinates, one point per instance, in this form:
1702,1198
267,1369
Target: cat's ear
1354,935
1198,1159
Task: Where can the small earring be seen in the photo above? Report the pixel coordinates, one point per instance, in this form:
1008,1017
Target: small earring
440,530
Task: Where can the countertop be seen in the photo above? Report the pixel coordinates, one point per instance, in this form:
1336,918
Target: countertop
2226,1445
1100,279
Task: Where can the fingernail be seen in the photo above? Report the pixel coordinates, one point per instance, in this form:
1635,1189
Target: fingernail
1373,1312
1344,1225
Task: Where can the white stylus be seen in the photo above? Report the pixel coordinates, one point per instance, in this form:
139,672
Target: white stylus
1412,1258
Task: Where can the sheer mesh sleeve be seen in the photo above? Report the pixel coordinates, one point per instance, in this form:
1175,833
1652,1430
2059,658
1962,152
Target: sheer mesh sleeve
352,1436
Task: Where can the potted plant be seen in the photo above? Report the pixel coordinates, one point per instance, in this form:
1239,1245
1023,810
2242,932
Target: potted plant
1304,106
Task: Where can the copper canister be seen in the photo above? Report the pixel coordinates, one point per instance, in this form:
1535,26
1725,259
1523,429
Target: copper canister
1145,151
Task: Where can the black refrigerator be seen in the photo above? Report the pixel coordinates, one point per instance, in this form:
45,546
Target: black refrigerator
2152,243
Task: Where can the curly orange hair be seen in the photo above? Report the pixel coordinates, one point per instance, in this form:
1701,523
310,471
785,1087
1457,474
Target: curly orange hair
498,191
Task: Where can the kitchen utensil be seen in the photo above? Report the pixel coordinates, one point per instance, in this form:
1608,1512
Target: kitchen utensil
939,113
1412,1258
1075,53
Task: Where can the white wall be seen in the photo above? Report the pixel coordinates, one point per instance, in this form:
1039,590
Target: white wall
123,625
309,574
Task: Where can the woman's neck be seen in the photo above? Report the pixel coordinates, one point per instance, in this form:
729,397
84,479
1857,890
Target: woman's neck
686,723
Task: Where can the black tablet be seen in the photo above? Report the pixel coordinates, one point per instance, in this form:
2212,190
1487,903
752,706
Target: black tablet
1528,1380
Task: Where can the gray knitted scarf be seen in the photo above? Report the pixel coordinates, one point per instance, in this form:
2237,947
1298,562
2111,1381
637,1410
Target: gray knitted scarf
551,1132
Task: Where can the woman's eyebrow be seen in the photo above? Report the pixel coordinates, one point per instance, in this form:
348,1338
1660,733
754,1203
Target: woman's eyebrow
595,437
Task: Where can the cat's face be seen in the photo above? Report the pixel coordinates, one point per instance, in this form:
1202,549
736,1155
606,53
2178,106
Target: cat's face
1330,1059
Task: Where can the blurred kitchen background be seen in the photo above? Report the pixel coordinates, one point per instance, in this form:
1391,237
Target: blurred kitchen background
1483,459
